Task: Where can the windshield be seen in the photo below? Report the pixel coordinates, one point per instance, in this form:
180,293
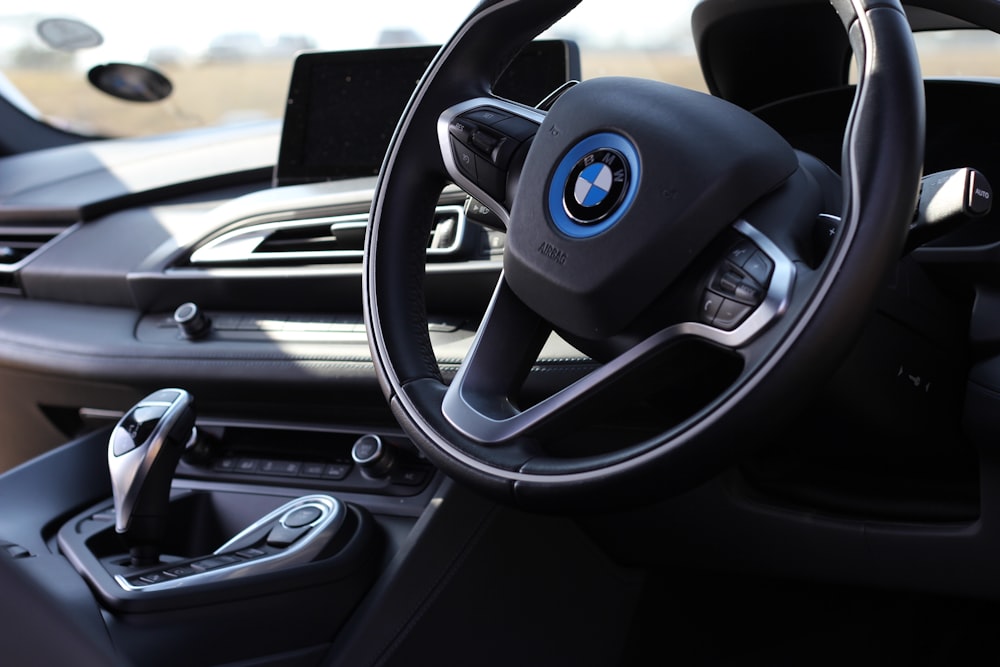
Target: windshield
218,63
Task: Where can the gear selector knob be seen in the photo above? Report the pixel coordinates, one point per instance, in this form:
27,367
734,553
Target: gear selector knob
143,452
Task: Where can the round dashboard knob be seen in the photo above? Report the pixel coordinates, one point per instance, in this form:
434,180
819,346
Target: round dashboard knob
192,322
372,455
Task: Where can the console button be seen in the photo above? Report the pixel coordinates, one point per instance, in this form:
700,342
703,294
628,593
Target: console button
302,516
247,465
409,476
282,536
214,562
252,552
336,471
179,571
283,468
226,464
153,578
312,469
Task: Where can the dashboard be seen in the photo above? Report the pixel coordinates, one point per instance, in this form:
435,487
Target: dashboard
262,239
128,231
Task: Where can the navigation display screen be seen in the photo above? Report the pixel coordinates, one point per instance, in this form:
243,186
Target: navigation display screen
343,106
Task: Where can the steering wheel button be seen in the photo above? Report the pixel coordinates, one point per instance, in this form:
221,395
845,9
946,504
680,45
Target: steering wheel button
747,291
730,314
486,115
465,158
486,142
518,128
759,266
491,179
729,282
710,303
462,129
741,252
504,151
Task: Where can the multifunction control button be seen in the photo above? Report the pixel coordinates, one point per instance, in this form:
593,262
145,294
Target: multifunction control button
738,284
483,141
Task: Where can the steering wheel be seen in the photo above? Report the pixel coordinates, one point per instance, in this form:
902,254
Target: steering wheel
669,234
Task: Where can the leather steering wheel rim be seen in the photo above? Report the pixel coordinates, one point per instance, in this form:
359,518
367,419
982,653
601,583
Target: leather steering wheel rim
472,428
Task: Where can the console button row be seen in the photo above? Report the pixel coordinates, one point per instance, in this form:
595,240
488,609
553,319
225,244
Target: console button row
280,468
332,471
213,562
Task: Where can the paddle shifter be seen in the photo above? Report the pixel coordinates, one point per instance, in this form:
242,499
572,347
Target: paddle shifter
143,452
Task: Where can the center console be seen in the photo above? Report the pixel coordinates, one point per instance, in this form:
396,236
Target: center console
230,522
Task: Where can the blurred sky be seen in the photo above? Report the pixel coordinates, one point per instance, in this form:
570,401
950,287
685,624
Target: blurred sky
132,28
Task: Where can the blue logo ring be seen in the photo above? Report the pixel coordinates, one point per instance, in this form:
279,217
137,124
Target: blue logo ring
593,185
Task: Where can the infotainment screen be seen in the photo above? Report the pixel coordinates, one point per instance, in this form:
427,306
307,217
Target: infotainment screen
343,106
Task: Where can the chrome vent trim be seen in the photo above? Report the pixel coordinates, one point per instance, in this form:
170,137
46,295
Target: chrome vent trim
19,243
327,239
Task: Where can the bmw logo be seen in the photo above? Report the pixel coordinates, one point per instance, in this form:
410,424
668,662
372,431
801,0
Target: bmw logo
593,185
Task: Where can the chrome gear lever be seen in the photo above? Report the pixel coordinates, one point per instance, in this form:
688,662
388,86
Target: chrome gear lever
143,452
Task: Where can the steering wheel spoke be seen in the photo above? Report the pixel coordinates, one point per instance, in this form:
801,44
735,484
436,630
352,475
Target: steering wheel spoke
481,401
483,394
483,142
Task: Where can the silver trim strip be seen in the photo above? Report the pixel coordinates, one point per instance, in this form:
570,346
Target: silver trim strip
487,429
322,529
241,245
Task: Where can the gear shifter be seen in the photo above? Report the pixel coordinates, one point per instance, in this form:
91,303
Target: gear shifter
143,452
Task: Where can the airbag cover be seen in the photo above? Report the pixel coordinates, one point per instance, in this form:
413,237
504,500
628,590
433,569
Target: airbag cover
590,246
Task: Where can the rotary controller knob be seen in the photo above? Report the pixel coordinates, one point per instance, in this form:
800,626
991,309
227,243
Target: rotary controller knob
373,455
192,321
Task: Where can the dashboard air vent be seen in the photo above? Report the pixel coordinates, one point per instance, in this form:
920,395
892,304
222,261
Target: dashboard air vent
17,243
329,239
